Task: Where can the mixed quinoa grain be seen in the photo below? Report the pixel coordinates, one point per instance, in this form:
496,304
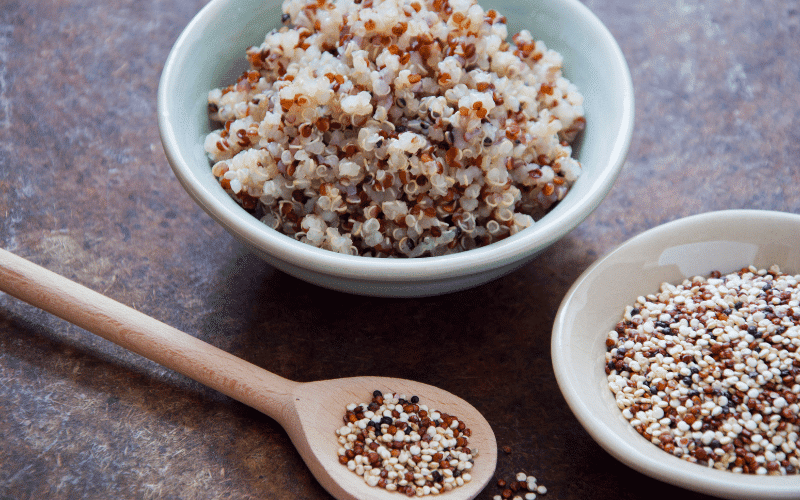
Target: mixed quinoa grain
397,128
523,487
400,445
709,370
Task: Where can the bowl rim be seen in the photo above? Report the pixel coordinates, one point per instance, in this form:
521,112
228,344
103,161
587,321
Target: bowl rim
678,472
279,246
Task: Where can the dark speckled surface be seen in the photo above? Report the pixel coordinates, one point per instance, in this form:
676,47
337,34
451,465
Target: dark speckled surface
85,190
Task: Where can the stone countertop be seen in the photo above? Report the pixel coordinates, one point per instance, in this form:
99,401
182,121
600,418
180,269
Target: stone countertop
86,191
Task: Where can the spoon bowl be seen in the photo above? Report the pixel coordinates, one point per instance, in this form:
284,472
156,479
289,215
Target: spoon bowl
310,412
318,445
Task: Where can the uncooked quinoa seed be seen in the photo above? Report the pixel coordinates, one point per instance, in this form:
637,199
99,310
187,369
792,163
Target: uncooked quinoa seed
396,128
400,445
709,370
524,487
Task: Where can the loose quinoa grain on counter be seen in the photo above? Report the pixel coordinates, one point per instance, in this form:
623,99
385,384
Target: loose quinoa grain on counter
524,487
709,370
399,128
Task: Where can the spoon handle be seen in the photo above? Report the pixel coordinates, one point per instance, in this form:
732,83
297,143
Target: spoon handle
146,336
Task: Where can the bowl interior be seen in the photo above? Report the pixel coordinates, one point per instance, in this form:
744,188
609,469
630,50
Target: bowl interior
211,53
725,241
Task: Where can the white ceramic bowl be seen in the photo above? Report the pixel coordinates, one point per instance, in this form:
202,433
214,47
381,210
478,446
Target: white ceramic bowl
210,53
724,241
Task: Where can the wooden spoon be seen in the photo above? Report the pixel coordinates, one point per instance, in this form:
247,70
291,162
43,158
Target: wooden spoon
309,412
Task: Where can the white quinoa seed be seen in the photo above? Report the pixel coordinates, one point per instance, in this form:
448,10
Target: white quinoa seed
709,370
396,128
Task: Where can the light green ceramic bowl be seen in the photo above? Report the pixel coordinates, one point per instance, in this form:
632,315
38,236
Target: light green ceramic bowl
210,53
724,241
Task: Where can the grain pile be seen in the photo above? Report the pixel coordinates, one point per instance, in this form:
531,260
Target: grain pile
396,128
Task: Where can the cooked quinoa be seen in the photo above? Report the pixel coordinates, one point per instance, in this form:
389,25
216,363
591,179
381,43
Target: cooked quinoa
396,128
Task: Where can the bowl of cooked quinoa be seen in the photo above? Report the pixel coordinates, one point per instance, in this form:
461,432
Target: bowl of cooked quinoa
396,147
679,353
